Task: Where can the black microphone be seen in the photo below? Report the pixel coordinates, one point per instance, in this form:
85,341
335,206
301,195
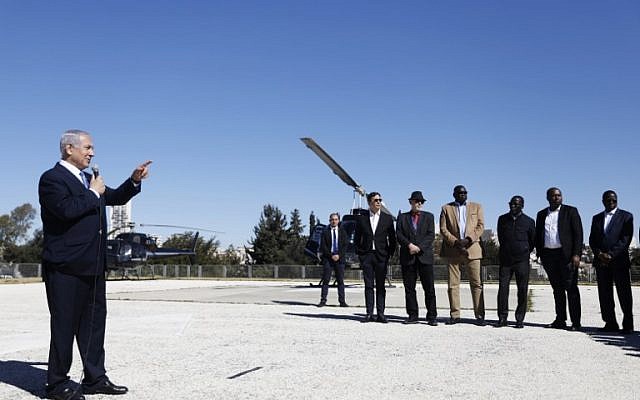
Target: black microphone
96,171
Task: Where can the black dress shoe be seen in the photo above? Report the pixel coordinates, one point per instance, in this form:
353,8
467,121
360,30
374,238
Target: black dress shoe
67,394
107,387
608,327
501,323
576,328
322,303
626,331
410,320
481,322
382,319
519,324
452,321
368,318
343,304
432,322
557,325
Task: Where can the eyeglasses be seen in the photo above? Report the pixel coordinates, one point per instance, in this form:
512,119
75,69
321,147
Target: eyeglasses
377,200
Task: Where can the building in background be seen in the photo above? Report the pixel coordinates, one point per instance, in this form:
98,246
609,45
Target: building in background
119,219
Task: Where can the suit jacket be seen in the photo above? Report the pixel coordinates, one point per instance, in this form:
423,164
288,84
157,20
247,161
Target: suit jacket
615,240
74,221
450,230
384,236
569,229
326,241
516,237
422,237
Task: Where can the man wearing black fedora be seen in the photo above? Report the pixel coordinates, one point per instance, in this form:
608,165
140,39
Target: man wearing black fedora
415,231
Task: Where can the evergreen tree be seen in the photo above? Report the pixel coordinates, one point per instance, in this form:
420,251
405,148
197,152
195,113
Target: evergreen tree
296,241
206,250
271,237
15,226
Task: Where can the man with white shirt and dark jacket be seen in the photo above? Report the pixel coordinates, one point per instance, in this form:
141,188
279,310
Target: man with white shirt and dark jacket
375,241
516,234
611,234
559,243
332,248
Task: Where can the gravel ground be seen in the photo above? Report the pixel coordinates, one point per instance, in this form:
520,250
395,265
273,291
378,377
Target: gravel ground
267,340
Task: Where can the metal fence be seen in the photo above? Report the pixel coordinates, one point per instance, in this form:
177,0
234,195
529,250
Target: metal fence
308,272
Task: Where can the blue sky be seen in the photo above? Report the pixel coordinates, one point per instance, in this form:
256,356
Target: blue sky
504,97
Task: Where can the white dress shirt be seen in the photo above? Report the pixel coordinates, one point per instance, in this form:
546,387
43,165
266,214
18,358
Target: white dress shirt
373,219
551,234
608,216
462,219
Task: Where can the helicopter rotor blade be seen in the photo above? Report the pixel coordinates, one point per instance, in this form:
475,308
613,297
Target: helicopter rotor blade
335,167
181,227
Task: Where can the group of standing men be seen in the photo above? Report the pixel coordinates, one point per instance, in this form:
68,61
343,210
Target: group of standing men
556,235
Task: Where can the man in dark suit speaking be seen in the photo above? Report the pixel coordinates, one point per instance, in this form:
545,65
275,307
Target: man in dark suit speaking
415,232
559,245
375,241
73,216
611,233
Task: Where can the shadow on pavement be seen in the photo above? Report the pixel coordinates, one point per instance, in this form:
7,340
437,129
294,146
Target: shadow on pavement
327,316
292,303
629,343
23,375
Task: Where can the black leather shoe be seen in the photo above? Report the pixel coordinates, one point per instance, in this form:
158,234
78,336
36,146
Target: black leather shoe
67,394
452,321
343,304
557,325
107,387
481,322
382,319
609,327
626,331
519,324
322,303
576,328
368,318
410,320
432,322
501,323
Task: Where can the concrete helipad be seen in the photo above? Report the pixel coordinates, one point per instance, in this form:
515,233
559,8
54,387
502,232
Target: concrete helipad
184,339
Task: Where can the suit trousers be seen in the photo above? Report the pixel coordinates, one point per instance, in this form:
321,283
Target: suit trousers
521,270
374,269
475,283
410,275
78,308
338,268
607,275
563,277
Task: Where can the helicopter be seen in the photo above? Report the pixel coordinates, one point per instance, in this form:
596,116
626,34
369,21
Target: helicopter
129,249
312,247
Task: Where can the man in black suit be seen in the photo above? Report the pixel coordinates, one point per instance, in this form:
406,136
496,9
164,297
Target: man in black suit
332,247
74,223
611,234
559,245
516,234
415,231
375,241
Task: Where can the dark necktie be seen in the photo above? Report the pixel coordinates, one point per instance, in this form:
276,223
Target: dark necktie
334,246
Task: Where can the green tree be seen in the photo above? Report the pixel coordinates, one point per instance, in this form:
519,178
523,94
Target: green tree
15,226
491,253
271,237
30,252
206,249
296,241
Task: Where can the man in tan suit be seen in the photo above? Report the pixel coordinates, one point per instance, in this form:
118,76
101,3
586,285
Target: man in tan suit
461,225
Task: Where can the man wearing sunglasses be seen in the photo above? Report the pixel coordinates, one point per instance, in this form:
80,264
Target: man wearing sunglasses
375,241
461,226
415,231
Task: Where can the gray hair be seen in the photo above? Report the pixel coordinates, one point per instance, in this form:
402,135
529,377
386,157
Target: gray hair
71,137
